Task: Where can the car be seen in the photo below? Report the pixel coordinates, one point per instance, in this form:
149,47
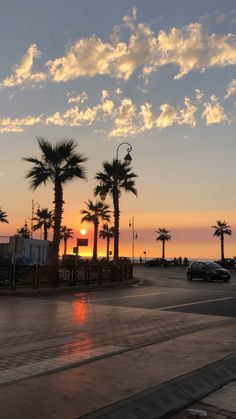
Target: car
158,262
226,263
208,271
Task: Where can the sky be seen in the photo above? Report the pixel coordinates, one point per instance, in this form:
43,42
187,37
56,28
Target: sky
159,75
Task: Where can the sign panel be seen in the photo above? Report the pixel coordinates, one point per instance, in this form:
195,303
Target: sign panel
82,242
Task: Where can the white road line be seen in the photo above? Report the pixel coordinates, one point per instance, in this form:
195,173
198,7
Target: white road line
197,302
128,296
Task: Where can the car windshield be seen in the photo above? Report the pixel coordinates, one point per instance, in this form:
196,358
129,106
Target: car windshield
213,265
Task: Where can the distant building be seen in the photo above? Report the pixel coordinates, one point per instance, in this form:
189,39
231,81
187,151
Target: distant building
28,251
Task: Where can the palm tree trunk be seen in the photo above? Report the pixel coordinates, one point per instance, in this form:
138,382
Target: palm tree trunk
45,232
65,245
163,249
58,209
108,247
222,246
95,240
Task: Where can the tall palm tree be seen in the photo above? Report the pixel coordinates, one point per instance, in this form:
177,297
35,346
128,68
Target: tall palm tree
222,229
3,216
66,233
45,219
93,214
59,164
163,236
116,176
24,231
107,233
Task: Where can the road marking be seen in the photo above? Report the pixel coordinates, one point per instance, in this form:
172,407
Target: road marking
197,302
128,296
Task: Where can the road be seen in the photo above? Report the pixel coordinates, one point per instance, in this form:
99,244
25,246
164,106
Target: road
45,333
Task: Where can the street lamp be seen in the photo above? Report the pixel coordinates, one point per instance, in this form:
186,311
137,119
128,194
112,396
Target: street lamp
115,192
127,160
134,235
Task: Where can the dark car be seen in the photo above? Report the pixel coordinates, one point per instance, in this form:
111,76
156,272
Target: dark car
157,262
226,263
208,271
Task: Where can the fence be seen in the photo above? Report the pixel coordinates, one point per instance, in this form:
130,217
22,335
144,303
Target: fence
85,273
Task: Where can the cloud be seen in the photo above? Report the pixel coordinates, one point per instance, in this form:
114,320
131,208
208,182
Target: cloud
167,117
199,95
125,120
214,112
231,90
82,98
147,116
188,48
73,117
187,115
76,116
22,73
17,125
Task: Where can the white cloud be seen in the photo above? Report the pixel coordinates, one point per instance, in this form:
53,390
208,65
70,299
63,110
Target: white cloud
17,124
73,117
187,115
214,112
199,95
167,117
189,48
82,98
22,73
231,90
147,116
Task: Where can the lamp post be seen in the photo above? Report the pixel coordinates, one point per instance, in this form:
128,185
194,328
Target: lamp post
32,218
145,255
127,160
115,178
134,235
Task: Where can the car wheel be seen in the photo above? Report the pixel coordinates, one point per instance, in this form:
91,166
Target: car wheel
208,278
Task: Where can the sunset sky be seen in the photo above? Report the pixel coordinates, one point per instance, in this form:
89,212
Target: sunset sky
160,75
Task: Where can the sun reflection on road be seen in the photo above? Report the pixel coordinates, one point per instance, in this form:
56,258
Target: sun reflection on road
81,311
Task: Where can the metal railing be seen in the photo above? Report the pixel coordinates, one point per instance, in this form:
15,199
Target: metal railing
85,273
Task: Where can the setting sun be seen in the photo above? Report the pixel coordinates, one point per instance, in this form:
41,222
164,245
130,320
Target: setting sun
83,231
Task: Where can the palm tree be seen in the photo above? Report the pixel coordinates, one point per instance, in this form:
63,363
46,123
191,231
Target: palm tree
116,176
221,229
24,231
163,236
59,164
107,233
66,233
3,217
44,219
93,214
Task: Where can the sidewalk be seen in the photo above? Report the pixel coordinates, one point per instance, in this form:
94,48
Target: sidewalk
147,382
219,405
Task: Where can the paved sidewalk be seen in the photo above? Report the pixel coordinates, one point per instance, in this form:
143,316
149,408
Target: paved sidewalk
219,405
74,393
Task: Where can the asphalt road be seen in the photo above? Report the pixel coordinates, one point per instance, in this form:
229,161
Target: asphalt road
168,289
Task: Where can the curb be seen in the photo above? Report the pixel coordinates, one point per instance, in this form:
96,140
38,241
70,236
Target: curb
173,395
30,292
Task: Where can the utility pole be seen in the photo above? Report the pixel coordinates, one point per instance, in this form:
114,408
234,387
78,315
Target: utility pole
134,235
